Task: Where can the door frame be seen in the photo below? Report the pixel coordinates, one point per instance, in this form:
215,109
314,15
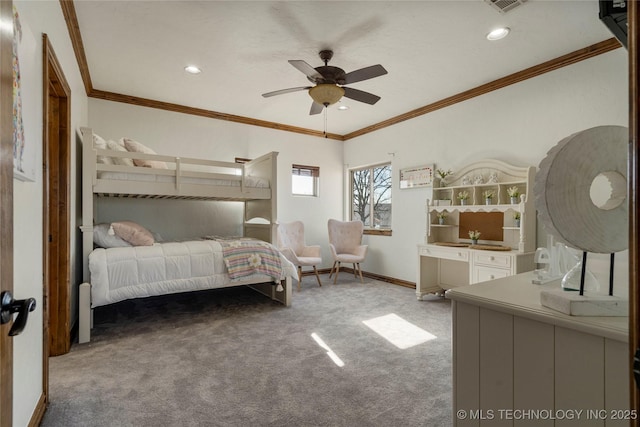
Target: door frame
56,177
6,206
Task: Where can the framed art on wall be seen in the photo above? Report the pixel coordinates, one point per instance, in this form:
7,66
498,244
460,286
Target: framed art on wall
421,176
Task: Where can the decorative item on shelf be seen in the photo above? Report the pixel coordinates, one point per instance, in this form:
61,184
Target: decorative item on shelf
479,179
488,196
466,180
513,193
463,196
493,178
441,217
516,219
443,174
474,235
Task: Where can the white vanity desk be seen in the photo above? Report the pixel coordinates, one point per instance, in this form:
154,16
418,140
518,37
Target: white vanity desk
511,353
445,260
443,267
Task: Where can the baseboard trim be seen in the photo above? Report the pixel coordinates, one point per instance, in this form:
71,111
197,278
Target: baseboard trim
38,412
392,280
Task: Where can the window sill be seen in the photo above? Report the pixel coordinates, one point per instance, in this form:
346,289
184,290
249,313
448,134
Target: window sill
376,232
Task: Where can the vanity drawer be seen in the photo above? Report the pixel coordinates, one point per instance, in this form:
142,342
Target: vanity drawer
492,259
482,274
459,254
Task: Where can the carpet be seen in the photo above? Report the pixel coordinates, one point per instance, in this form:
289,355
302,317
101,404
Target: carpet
232,357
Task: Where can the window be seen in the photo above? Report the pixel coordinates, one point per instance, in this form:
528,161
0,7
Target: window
304,180
371,196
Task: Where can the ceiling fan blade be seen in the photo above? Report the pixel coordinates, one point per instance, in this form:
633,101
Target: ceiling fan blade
306,69
315,108
360,95
282,91
365,74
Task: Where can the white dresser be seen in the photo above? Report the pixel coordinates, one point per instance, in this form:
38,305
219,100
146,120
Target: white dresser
517,363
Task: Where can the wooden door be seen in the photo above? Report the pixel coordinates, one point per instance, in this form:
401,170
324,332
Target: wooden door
6,207
633,19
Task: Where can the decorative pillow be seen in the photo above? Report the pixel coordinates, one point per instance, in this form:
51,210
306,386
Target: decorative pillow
101,144
133,233
112,145
103,239
137,147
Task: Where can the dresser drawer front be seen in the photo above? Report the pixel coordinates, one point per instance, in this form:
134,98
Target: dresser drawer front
445,253
492,259
482,274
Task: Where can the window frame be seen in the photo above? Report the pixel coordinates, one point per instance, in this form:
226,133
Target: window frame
369,228
314,173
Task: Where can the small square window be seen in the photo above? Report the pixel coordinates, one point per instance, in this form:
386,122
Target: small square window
304,180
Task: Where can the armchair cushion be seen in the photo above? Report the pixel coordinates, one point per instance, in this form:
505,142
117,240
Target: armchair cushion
345,240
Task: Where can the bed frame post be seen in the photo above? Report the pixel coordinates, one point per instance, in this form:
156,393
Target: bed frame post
85,313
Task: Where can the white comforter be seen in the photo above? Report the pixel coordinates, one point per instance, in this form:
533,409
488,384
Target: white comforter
118,274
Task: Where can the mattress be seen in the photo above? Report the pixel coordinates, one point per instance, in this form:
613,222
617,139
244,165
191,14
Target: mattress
249,181
118,274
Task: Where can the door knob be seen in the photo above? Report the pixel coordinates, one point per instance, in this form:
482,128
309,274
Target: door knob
9,306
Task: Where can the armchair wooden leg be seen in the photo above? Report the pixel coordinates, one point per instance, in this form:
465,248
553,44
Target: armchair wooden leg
335,279
332,268
355,270
299,277
315,270
360,271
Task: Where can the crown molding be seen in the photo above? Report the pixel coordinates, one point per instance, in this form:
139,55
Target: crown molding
73,27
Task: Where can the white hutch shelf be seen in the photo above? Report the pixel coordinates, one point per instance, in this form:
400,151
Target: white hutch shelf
446,260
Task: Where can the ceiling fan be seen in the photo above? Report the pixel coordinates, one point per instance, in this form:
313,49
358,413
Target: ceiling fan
329,83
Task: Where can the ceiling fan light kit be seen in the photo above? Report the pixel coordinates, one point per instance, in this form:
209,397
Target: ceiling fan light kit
326,94
329,81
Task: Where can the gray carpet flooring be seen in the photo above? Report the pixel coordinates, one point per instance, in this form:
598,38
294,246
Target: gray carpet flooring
232,357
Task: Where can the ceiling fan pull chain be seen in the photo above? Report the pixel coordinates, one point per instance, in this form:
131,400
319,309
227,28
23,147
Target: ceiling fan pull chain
325,122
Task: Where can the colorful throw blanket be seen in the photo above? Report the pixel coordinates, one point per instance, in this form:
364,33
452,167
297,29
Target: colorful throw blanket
245,257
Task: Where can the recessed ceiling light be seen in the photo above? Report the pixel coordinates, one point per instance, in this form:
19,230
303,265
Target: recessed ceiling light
192,69
498,33
343,107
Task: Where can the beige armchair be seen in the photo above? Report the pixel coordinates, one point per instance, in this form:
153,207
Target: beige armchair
291,244
345,240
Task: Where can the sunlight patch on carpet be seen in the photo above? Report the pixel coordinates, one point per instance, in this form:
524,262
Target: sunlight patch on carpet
398,331
330,352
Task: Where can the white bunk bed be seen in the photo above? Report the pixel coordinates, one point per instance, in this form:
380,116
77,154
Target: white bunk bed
254,183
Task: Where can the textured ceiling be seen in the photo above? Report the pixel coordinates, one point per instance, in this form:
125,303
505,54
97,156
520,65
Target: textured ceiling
431,50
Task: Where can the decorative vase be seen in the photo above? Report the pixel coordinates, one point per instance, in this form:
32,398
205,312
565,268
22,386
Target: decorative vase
474,241
463,202
487,201
517,222
441,221
514,200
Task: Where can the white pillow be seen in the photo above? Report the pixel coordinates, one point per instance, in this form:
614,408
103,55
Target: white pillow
101,144
112,145
138,147
103,239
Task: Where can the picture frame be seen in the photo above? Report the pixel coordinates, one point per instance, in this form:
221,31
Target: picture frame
416,177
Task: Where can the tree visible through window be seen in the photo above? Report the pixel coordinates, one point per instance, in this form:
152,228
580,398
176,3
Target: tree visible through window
371,196
304,180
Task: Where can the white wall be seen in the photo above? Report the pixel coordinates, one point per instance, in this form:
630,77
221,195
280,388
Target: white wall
39,17
190,136
517,124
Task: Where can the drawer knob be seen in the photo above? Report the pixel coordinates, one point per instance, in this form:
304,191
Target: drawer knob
459,253
492,277
492,258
